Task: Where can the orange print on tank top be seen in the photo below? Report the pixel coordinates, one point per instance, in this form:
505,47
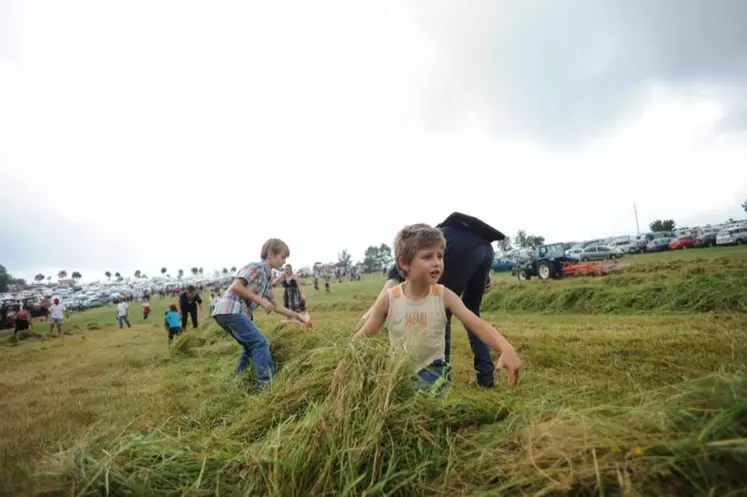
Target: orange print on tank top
415,320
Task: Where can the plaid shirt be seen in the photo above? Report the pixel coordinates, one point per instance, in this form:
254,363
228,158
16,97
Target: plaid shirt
258,277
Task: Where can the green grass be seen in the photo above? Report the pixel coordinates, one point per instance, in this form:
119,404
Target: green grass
710,280
616,403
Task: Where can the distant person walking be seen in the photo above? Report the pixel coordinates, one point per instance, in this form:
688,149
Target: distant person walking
56,316
122,314
23,321
146,307
189,302
467,261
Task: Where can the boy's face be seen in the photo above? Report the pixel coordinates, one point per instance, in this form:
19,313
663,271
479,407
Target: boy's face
276,261
427,266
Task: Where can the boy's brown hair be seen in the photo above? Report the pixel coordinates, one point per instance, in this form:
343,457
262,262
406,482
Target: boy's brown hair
412,238
274,246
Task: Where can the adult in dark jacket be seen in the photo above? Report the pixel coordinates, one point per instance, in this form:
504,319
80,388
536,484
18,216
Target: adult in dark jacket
188,304
467,261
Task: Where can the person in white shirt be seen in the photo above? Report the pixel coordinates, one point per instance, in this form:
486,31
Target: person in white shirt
122,314
56,316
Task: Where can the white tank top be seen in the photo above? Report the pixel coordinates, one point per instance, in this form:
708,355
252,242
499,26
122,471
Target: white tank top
417,327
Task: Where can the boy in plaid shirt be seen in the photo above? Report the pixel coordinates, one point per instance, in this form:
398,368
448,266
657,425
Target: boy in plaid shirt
252,288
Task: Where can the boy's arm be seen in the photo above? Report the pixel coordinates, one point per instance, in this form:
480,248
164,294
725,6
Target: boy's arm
239,287
376,318
393,279
486,334
278,280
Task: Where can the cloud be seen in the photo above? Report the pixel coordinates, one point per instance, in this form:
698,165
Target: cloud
565,70
33,236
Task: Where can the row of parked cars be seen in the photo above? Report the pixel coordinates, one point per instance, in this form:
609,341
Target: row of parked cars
614,248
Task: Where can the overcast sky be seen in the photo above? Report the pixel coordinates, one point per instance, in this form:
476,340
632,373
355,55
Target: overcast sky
137,134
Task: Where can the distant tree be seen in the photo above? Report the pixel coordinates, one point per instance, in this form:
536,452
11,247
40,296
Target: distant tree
505,244
138,274
201,271
62,275
180,273
662,225
194,271
520,240
76,275
4,279
163,270
744,205
344,259
233,269
118,276
108,275
375,257
534,241
49,280
225,271
39,277
144,276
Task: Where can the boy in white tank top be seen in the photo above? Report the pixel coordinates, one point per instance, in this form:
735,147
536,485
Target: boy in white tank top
415,312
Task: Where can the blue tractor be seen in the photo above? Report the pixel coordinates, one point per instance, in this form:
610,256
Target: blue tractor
545,263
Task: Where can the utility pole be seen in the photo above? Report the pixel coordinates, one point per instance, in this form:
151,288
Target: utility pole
638,230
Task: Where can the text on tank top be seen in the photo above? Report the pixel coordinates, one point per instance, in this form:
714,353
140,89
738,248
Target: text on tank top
417,327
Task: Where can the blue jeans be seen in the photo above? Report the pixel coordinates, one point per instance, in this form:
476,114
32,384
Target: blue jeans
122,320
467,262
253,343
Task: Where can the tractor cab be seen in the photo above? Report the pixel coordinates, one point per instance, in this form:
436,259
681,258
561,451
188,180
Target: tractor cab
551,251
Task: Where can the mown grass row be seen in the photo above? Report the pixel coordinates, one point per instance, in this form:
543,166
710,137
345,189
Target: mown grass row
341,419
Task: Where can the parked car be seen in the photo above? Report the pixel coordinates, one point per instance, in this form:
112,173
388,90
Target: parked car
682,242
598,253
658,244
574,253
735,236
501,264
706,240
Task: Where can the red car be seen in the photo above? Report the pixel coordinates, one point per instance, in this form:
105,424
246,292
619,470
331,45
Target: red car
683,242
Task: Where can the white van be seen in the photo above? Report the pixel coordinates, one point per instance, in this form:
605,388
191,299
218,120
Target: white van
735,236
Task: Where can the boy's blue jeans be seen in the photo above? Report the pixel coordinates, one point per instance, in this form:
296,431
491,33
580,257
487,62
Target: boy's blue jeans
253,343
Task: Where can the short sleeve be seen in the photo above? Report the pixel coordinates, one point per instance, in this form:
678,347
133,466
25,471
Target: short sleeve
249,273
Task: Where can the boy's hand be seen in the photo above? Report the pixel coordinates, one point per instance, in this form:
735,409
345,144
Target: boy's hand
306,320
509,361
266,305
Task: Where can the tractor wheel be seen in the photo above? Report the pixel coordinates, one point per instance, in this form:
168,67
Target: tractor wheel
522,275
545,271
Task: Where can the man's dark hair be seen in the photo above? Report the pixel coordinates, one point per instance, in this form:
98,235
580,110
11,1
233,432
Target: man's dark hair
191,288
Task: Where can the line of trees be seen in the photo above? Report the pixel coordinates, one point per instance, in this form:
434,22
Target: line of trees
7,279
521,240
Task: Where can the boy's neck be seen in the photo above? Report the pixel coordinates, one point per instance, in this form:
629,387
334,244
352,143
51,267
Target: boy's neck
415,290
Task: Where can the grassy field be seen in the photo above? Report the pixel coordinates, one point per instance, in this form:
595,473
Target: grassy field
617,398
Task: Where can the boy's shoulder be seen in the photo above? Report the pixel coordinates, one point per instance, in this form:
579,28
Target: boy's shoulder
254,270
